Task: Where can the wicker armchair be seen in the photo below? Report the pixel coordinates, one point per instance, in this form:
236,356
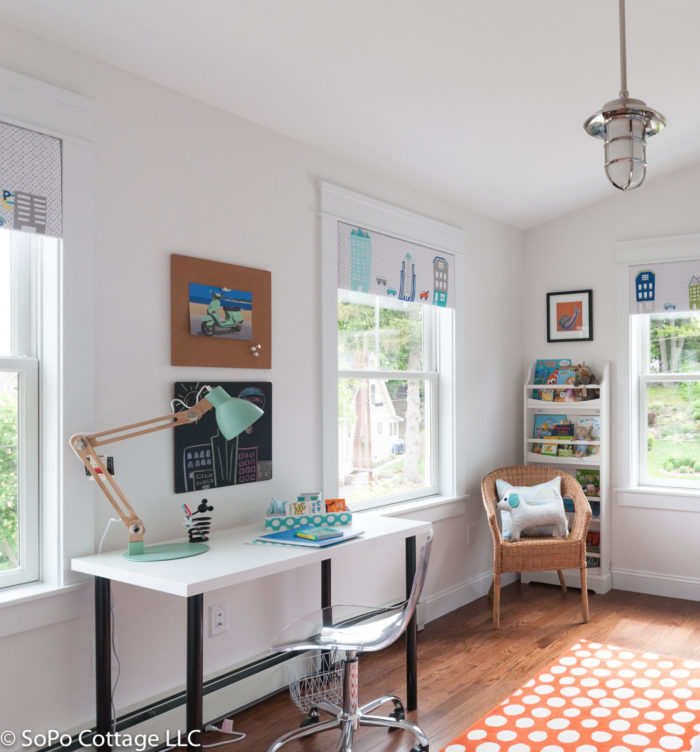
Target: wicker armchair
537,554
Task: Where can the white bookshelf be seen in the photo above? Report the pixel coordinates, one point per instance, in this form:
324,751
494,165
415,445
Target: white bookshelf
598,576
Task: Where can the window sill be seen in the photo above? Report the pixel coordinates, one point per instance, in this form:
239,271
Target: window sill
430,508
38,605
666,499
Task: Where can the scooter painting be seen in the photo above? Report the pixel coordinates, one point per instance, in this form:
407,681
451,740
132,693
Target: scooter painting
220,316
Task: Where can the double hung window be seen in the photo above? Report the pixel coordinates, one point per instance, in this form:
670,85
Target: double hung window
389,290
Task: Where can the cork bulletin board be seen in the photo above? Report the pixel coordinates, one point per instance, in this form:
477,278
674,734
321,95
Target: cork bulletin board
218,312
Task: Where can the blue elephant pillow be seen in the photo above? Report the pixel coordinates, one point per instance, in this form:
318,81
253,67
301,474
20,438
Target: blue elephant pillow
543,493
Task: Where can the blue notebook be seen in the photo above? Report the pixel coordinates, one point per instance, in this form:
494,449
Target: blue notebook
290,538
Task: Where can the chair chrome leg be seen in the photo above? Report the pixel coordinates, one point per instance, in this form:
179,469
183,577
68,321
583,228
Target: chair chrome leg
370,706
299,733
378,720
329,707
345,741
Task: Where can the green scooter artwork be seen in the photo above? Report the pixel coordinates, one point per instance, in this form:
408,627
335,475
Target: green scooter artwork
220,310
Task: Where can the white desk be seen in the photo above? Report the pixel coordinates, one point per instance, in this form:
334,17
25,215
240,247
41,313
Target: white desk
230,561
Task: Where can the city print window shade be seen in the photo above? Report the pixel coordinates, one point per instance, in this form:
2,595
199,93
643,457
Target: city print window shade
383,265
664,287
30,181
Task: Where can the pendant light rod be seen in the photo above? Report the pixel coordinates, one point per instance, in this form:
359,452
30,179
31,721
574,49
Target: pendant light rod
624,93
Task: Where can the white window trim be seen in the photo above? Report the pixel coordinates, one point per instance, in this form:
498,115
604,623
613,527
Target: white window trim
342,205
67,369
628,491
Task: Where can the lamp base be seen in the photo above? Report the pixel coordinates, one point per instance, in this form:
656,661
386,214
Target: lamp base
164,552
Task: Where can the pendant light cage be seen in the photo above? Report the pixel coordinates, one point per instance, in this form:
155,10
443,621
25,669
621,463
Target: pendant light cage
624,124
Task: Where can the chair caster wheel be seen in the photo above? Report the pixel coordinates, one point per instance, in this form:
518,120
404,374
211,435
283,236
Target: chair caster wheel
312,718
398,715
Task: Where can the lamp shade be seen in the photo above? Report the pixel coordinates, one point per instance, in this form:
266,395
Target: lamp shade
233,415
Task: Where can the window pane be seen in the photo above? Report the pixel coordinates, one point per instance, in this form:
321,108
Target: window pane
5,294
382,438
8,471
674,343
376,332
673,432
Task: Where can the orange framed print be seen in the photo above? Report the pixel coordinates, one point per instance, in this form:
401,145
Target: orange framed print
570,316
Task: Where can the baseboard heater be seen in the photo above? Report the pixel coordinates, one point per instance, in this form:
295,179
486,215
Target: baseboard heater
171,702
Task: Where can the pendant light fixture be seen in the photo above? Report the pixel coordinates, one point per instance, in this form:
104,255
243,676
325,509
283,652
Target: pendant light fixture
624,125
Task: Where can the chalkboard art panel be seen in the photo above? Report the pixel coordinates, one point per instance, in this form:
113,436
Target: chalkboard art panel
204,459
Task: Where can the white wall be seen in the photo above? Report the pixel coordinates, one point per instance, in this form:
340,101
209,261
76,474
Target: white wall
653,550
174,175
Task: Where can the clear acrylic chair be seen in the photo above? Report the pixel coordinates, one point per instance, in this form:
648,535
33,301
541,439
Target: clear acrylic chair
354,630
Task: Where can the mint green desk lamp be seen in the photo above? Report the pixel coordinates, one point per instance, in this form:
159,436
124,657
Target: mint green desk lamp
233,416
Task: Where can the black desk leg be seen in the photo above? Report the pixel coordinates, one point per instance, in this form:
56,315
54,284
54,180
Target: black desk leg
103,661
325,583
411,631
195,671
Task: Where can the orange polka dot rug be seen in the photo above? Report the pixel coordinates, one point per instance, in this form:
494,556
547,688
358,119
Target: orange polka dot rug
596,698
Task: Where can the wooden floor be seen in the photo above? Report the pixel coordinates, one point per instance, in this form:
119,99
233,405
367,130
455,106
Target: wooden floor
466,667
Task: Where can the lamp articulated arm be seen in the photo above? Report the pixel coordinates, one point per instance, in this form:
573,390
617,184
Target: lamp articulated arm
85,447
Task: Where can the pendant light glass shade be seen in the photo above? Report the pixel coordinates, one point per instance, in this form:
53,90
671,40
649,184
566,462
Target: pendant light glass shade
624,125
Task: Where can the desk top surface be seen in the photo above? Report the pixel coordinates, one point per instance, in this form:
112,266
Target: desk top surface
232,559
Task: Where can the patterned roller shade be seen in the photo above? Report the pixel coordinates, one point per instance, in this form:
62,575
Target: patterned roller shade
30,181
666,286
380,264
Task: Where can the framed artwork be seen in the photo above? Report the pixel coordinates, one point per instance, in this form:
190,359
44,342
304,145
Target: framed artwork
204,459
219,314
570,316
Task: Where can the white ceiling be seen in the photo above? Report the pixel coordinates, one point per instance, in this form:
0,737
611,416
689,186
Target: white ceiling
478,101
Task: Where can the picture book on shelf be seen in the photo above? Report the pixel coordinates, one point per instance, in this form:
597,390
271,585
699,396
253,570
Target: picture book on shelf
548,448
544,425
545,368
547,426
567,375
595,509
593,541
587,429
591,423
590,481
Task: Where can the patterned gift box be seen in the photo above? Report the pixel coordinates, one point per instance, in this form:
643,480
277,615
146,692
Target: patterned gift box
282,522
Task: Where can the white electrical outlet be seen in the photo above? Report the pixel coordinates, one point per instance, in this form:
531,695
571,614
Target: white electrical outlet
218,619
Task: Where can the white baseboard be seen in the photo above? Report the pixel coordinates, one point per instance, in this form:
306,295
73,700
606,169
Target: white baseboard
441,603
654,583
598,583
